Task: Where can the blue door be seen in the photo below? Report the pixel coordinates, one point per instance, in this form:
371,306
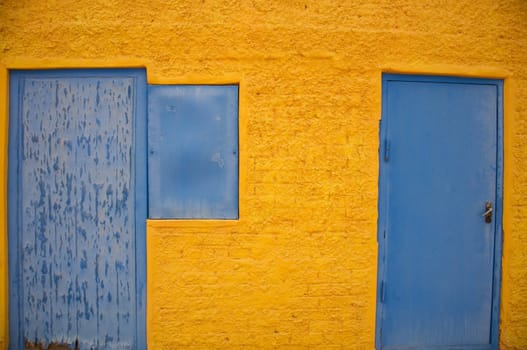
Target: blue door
77,209
439,213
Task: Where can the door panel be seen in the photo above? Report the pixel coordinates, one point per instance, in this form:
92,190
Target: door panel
439,170
193,151
72,202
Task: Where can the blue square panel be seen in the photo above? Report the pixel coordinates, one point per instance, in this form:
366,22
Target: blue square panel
193,151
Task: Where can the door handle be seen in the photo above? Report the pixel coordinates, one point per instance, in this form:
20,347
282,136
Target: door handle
488,212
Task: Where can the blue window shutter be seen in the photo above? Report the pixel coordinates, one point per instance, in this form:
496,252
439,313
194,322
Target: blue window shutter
193,151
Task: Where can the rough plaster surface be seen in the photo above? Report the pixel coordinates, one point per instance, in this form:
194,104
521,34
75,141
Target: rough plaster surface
298,271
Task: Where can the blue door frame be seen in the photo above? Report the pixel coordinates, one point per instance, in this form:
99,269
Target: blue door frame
137,93
385,154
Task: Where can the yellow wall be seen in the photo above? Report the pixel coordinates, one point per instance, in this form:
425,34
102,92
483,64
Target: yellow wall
298,270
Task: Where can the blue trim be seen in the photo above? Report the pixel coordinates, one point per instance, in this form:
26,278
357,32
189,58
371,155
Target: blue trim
15,335
381,219
139,176
384,190
141,205
450,347
439,79
498,243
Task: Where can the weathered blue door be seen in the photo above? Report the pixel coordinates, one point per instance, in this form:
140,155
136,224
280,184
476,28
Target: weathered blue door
77,209
440,213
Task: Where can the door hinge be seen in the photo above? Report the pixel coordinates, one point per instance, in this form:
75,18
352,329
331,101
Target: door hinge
381,236
383,291
386,150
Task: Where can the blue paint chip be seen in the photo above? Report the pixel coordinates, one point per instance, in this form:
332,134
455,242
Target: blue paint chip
193,151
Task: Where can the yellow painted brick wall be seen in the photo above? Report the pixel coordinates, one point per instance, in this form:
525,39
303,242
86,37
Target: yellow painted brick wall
299,268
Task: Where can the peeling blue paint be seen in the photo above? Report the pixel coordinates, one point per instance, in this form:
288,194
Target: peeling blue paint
74,204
